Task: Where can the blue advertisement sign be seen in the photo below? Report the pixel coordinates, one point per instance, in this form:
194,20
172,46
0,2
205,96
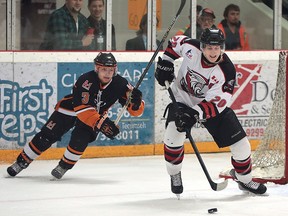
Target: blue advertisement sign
23,110
133,130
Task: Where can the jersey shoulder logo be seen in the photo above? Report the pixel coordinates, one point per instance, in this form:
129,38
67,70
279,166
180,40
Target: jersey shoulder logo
189,54
86,85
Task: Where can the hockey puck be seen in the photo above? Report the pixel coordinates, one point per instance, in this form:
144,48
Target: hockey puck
212,210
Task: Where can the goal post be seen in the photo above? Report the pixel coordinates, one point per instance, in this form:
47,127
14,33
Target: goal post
269,160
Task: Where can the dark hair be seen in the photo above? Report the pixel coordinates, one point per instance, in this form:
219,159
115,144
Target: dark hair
229,8
199,8
142,23
90,1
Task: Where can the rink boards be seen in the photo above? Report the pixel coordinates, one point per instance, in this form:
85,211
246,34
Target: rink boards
32,82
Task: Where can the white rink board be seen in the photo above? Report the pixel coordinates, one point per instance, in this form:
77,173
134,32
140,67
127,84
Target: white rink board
28,68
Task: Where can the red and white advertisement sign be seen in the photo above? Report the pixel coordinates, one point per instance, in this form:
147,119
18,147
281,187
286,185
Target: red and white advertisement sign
253,97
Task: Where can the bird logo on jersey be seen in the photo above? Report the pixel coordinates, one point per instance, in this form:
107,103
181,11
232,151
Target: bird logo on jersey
189,54
193,83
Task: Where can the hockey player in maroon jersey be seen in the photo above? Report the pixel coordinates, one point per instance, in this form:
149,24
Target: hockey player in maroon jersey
86,110
203,89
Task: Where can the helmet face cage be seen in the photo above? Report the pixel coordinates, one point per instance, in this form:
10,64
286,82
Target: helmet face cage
212,36
106,60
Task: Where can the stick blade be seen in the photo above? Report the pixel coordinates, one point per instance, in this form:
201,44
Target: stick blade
219,186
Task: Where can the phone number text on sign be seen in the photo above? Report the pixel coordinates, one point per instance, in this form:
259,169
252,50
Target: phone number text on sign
254,126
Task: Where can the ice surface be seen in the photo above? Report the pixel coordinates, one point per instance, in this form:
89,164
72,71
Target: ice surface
131,186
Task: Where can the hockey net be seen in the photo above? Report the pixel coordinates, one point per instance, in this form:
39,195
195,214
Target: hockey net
269,160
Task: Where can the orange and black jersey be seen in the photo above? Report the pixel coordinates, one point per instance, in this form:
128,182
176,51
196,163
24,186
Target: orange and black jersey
90,99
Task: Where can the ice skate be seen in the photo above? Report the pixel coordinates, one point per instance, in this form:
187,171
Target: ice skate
16,168
58,172
252,186
176,184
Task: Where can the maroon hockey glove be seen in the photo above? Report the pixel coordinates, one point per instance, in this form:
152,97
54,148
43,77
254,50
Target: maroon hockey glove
136,99
184,120
107,127
164,71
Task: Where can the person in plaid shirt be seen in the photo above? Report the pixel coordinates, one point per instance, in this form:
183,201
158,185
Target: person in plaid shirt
66,29
96,21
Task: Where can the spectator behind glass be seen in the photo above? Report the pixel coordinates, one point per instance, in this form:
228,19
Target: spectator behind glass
96,8
140,41
66,29
236,37
206,19
187,30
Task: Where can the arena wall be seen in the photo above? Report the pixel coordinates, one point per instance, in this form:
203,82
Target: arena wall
32,82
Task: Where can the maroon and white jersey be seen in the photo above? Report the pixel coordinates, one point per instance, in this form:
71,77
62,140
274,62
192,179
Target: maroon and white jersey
205,88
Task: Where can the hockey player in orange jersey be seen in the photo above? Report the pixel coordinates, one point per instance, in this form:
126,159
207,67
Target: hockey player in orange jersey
86,110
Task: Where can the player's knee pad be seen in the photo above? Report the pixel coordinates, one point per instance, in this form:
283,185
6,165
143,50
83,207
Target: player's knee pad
37,145
241,149
42,141
172,137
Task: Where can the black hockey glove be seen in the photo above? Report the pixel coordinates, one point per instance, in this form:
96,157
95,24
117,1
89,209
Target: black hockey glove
136,99
107,127
185,119
164,71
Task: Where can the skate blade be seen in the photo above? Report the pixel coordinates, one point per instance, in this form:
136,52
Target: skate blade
53,178
8,176
249,193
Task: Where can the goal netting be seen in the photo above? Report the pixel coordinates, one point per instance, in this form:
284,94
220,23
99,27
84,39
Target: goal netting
269,160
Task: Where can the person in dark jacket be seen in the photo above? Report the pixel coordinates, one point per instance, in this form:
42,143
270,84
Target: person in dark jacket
140,42
236,36
96,8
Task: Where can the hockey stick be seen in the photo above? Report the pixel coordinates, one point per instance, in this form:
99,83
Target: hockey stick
215,186
151,61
